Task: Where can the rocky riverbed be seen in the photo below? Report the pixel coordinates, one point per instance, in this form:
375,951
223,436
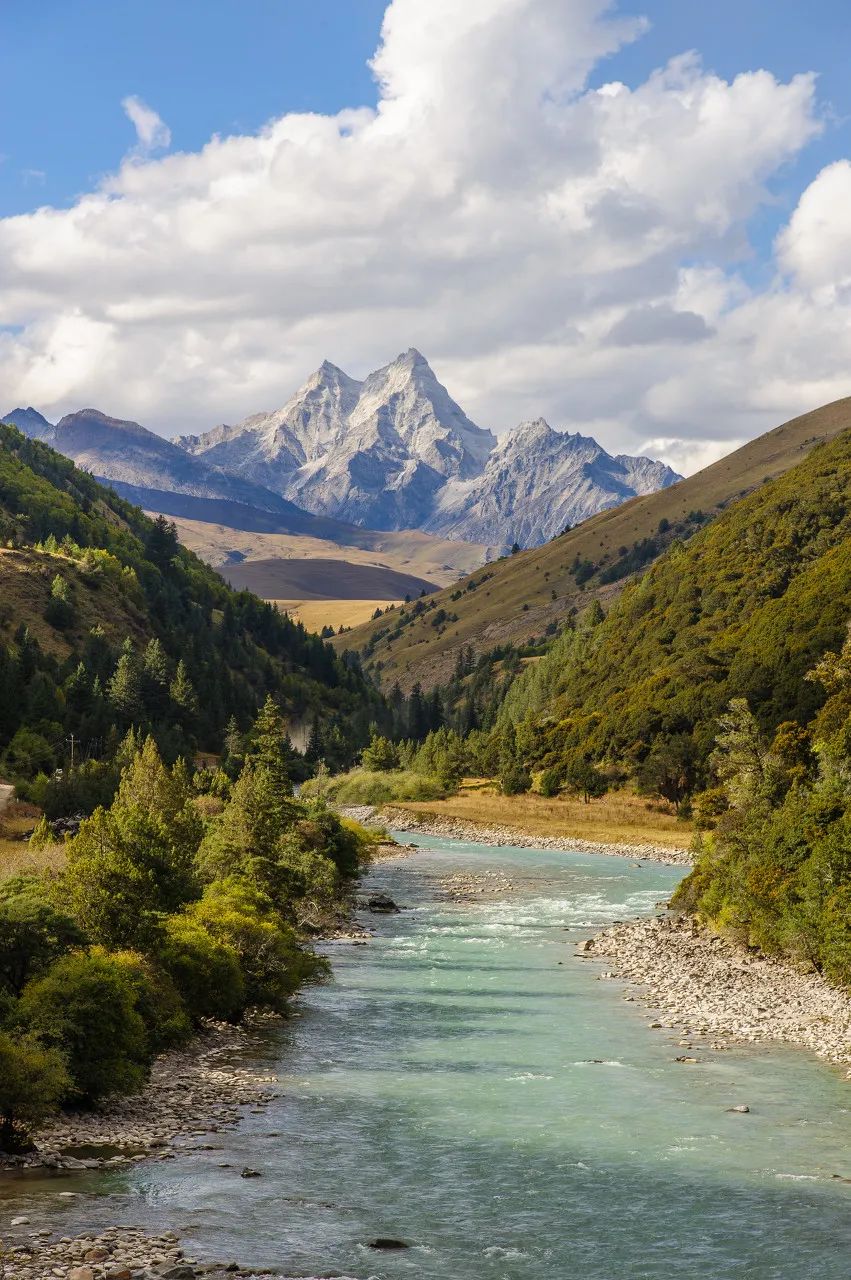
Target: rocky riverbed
712,992
481,833
118,1253
192,1092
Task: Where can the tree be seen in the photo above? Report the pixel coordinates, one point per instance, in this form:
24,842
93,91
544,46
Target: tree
582,777
205,971
85,1008
380,755
514,780
670,768
269,746
161,545
156,678
59,611
125,687
182,694
739,758
549,783
33,1082
33,932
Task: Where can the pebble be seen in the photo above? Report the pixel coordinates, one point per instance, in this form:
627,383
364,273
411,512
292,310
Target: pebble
461,829
117,1253
703,985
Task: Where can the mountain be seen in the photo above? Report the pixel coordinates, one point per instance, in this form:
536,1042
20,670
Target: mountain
88,583
531,595
536,482
396,451
373,452
155,473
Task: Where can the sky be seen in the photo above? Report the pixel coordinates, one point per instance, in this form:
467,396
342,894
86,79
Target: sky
630,219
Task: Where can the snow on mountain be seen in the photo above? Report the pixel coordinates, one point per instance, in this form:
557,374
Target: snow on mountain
536,482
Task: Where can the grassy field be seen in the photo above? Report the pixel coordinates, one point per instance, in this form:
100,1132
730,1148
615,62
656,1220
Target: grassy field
439,560
16,856
519,596
316,614
619,818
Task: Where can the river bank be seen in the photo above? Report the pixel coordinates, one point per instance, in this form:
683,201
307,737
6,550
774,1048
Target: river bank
117,1253
499,836
713,992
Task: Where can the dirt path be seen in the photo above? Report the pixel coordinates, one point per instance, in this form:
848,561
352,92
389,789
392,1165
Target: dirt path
6,793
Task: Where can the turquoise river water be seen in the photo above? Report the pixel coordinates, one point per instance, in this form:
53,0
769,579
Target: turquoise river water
467,1085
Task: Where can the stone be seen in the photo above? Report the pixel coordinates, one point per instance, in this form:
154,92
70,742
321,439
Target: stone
387,1242
20,1222
742,1109
250,1173
81,1273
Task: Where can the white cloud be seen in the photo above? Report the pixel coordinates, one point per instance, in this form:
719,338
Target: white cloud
152,133
492,211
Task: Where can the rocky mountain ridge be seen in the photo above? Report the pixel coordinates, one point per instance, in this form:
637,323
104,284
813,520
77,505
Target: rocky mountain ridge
396,451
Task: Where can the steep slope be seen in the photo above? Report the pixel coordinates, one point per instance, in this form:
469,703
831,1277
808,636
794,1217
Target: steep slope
536,482
524,595
142,464
372,452
396,451
744,609
75,558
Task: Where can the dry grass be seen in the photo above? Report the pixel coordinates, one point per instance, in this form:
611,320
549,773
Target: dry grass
619,818
405,550
16,856
316,614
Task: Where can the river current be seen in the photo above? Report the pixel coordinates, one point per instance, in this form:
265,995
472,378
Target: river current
466,1085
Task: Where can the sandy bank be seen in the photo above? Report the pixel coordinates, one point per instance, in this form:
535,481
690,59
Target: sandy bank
485,833
713,992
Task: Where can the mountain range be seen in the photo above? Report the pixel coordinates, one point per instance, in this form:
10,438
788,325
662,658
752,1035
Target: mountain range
393,451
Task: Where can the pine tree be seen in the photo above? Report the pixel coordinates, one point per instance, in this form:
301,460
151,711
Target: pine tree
270,748
182,694
125,687
156,678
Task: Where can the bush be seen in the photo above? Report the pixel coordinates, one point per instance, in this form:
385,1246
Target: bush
243,919
85,1007
33,932
206,972
157,1001
360,786
33,1080
514,780
549,783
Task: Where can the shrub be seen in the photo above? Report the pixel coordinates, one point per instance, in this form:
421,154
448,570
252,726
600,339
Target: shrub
243,918
359,786
33,1080
33,931
549,783
206,972
85,1007
157,1000
514,780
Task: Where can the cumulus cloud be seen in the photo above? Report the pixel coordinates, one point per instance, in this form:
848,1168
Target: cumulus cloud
152,133
552,248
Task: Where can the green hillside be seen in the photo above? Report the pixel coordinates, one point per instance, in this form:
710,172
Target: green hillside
107,623
743,609
530,594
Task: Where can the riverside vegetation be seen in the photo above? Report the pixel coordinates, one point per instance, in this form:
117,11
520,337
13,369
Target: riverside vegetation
189,898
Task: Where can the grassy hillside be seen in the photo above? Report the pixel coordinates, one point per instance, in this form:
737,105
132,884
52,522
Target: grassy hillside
531,593
402,550
744,609
107,624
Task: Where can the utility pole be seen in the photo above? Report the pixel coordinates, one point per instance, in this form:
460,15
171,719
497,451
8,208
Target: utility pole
71,739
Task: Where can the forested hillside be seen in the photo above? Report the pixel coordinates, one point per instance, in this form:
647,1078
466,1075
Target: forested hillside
529,596
107,624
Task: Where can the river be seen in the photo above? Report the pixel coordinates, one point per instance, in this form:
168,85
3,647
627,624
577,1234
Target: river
465,1084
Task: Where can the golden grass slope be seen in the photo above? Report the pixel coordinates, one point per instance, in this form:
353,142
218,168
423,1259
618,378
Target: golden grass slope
438,560
528,591
316,614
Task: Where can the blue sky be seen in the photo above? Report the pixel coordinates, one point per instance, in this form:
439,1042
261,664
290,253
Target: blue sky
228,66
666,267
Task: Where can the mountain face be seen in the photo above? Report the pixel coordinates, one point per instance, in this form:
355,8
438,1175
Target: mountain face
139,463
536,482
396,451
374,453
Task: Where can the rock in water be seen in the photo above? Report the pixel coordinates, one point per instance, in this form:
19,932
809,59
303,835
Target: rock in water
387,1242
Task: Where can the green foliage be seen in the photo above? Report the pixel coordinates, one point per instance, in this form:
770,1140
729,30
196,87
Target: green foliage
33,1081
205,971
33,931
362,786
514,780
380,756
549,783
85,1007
